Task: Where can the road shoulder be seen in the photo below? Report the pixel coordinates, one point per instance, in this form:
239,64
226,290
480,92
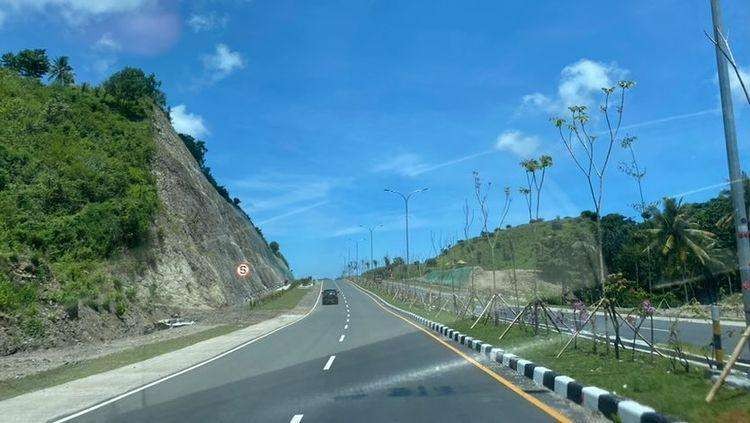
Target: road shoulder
62,402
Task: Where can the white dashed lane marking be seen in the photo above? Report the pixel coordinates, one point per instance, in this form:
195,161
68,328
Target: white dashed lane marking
341,339
296,419
329,362
346,327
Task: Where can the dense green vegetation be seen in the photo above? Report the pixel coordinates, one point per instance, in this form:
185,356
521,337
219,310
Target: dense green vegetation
75,187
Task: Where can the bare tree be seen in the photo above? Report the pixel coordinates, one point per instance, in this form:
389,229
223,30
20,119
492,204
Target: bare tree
574,133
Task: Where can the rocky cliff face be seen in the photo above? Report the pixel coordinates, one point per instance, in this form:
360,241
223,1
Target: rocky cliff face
200,238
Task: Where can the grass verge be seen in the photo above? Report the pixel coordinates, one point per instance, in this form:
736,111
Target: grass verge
282,301
653,382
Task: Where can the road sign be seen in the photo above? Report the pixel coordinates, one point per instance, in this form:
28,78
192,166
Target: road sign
243,270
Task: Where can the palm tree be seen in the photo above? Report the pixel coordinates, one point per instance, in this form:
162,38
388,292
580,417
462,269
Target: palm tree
676,236
62,72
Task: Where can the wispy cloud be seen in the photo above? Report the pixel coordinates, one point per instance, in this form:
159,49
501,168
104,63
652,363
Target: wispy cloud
107,43
671,118
200,22
272,192
411,165
292,212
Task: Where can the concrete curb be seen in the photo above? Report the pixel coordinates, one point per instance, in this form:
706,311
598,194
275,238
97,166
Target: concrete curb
591,397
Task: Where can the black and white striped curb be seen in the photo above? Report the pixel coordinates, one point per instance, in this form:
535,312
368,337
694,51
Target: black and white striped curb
591,397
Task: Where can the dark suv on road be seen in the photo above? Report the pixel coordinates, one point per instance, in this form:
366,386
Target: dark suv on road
330,296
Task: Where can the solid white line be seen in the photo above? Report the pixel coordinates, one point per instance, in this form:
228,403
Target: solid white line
296,419
329,363
342,338
346,327
193,367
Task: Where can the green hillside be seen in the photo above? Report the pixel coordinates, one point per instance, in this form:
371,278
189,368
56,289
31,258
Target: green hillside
675,243
75,187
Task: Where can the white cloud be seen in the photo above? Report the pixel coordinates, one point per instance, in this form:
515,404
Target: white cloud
517,143
75,11
734,83
579,83
187,123
223,62
107,43
205,22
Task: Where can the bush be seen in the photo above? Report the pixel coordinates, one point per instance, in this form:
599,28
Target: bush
130,86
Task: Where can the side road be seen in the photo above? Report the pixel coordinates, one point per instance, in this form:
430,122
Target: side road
63,402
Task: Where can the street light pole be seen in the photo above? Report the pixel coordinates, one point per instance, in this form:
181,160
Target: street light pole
735,173
372,258
406,209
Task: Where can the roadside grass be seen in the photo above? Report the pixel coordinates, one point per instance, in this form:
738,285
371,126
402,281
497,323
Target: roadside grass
284,300
650,381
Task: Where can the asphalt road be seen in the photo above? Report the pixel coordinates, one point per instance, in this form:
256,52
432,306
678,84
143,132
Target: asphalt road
351,362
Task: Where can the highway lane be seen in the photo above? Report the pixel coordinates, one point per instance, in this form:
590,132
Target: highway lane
347,362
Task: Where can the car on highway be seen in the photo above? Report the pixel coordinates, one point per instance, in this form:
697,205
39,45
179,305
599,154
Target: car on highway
330,296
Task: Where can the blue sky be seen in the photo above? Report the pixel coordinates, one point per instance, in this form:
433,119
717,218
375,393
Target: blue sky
310,109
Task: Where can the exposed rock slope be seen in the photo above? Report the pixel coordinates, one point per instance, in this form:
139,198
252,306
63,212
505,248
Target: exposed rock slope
200,237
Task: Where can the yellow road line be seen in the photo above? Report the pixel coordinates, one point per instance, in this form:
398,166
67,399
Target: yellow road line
508,384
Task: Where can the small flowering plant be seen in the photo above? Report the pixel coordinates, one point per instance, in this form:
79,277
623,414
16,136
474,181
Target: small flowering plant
647,309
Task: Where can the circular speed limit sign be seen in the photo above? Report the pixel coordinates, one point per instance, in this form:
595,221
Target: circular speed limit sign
243,270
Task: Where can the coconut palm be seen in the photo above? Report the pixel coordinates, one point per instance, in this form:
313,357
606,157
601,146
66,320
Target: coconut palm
62,72
676,236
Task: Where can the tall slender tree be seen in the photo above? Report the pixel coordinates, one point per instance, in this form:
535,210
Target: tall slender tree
580,143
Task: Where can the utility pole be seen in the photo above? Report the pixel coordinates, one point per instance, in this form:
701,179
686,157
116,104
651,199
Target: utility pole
735,173
406,210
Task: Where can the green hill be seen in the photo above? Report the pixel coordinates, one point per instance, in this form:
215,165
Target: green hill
75,187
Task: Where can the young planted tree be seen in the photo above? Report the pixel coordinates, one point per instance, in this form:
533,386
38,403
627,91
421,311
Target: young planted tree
535,170
581,145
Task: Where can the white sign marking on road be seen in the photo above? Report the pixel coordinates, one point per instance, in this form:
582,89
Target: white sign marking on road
342,338
296,419
329,363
